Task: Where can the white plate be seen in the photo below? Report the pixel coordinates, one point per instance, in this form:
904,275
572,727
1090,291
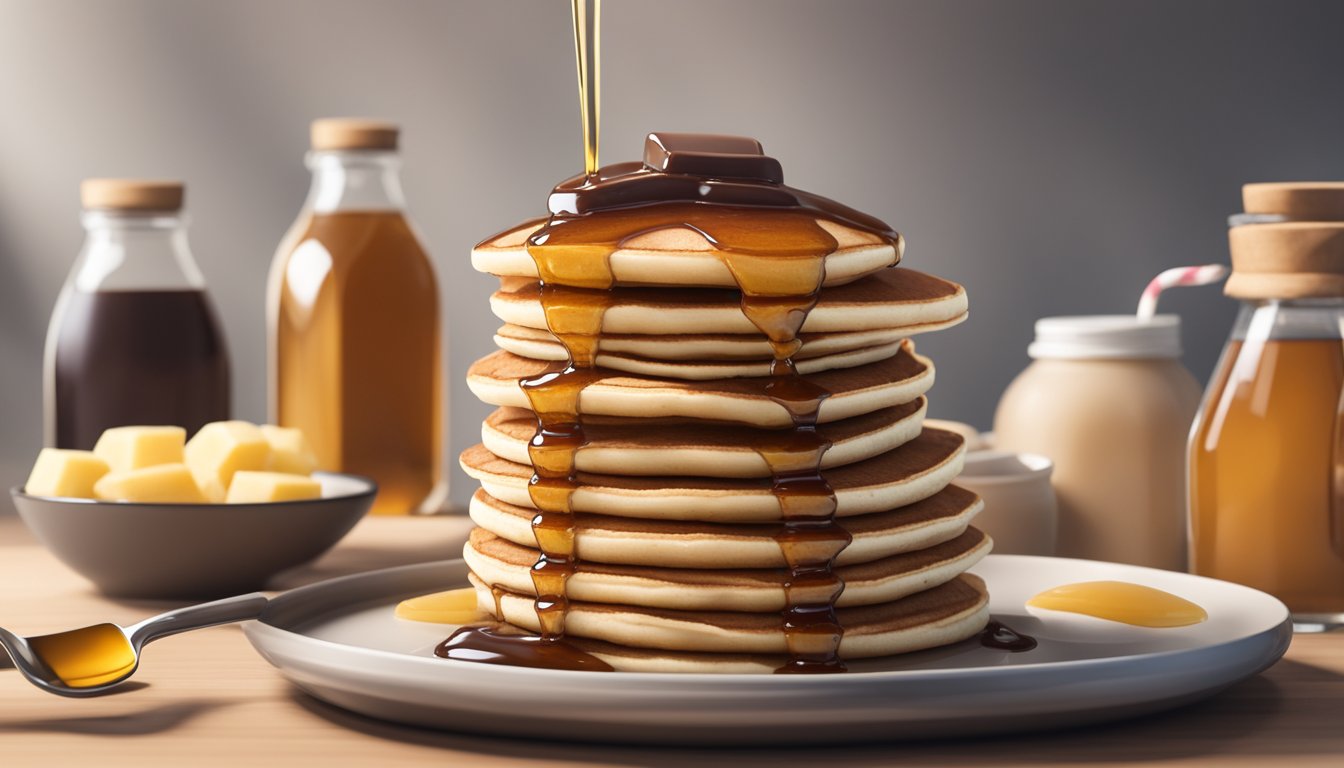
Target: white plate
340,642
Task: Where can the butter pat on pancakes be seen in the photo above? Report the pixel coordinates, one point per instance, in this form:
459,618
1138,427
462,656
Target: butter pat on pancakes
1123,602
67,473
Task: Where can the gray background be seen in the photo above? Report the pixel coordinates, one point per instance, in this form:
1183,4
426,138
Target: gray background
1051,156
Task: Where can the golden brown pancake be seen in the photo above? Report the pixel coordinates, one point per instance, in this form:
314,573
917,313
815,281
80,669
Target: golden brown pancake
854,391
944,614
705,369
697,544
502,563
914,471
541,345
892,298
620,446
682,257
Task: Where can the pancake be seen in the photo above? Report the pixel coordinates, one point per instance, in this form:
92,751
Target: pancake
944,614
854,391
697,474
694,544
915,471
502,563
704,370
891,298
681,257
541,345
638,447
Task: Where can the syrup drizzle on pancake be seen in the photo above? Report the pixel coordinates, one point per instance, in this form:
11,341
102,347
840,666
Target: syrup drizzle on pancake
769,239
777,258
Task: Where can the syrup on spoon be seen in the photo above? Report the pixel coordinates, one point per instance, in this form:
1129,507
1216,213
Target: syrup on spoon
91,660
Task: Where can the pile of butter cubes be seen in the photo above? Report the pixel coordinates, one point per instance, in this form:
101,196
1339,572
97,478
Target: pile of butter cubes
233,462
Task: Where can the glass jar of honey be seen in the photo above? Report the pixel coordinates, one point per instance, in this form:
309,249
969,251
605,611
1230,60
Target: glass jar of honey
1266,454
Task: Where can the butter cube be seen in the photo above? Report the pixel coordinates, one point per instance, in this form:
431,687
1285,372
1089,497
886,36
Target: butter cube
65,473
125,448
162,484
290,452
221,449
254,487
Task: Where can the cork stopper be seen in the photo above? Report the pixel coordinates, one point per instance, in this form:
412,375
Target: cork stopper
1296,200
1301,257
337,133
131,194
1289,260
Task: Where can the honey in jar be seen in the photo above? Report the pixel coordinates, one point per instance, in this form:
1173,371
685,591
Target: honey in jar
1265,460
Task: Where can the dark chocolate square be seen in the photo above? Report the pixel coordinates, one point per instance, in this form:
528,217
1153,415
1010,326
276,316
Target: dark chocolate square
710,155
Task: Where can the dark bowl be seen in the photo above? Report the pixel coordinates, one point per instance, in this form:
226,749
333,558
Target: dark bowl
193,551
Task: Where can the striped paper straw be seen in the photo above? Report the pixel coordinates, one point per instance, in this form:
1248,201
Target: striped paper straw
1182,276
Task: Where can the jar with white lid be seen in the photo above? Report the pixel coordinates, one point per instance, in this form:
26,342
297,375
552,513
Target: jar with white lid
1107,399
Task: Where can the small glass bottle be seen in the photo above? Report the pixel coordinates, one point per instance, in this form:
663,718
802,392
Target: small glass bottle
353,319
1267,451
134,338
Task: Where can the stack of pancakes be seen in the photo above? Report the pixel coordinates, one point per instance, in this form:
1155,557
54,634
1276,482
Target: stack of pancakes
676,526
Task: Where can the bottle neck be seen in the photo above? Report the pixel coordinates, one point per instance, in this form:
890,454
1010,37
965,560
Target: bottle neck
1287,319
135,251
363,180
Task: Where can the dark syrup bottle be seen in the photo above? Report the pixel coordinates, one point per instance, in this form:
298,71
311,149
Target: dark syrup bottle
134,338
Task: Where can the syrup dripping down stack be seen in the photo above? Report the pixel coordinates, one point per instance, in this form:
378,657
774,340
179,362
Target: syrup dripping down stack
708,453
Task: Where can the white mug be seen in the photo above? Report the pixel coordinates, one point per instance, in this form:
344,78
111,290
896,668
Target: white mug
974,439
1020,512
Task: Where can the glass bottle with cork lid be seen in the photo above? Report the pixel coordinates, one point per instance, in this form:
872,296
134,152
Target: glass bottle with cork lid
1266,455
353,322
134,338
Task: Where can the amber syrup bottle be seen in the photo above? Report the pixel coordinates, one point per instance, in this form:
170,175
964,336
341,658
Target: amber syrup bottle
353,320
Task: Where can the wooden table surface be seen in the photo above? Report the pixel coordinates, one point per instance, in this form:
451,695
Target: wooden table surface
206,698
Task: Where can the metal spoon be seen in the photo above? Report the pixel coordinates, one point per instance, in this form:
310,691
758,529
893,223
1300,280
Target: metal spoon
89,661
